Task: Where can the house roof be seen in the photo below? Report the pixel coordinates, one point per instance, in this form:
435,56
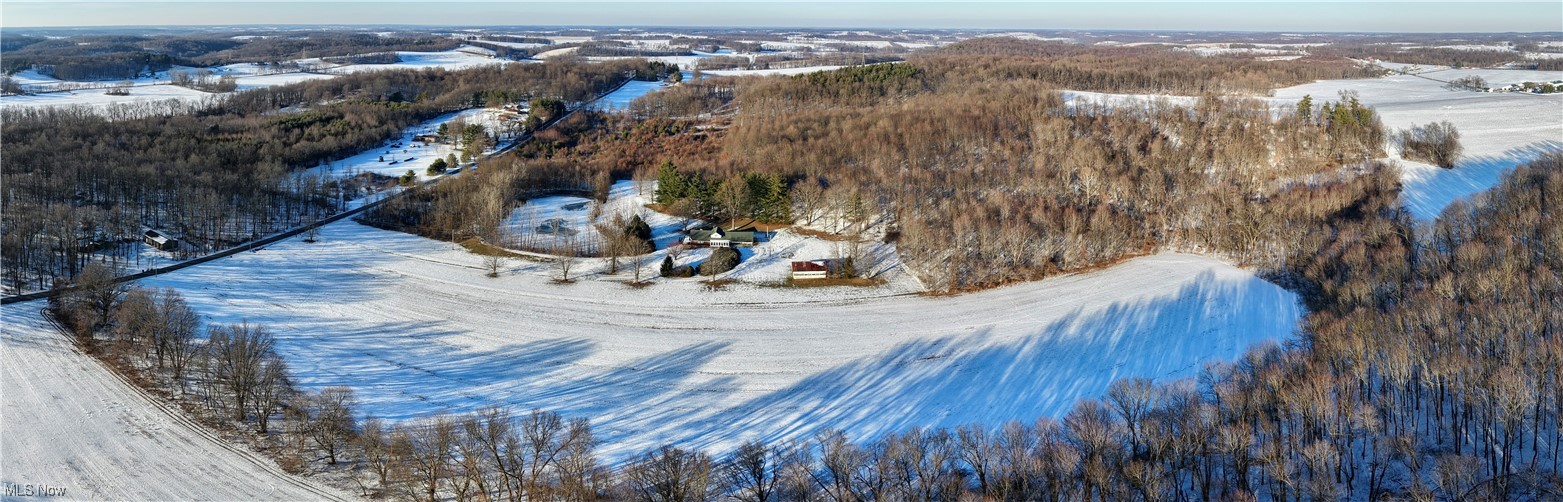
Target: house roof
153,232
809,266
709,234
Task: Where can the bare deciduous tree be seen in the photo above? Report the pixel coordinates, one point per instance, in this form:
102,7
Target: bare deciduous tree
493,262
176,335
670,474
564,255
271,389
331,422
237,354
750,474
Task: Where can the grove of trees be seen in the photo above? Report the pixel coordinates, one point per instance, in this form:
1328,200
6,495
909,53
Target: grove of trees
1436,143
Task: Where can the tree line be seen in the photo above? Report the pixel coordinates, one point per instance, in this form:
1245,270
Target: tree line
1138,69
1441,56
79,183
100,57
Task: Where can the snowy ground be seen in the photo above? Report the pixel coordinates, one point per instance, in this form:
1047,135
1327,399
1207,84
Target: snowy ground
1227,50
621,98
249,76
1082,98
415,327
98,100
421,156
262,81
1498,130
772,71
546,223
70,423
625,199
555,52
513,45
460,58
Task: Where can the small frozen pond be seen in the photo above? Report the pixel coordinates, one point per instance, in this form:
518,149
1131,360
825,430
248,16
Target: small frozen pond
548,223
544,224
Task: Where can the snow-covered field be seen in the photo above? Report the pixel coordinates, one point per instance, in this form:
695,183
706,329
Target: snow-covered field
771,71
514,45
1494,77
460,58
621,98
421,155
1111,100
69,423
262,81
1498,130
555,52
414,326
249,76
1227,50
98,100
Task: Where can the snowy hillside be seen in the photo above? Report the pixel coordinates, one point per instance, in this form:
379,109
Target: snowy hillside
1498,130
414,326
70,423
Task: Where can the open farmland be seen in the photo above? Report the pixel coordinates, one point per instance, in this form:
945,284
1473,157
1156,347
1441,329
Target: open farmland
247,76
119,444
1499,130
413,326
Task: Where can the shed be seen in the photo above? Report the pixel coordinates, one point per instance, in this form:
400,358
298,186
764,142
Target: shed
160,240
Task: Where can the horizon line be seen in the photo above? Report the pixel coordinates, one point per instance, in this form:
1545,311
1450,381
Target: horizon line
797,27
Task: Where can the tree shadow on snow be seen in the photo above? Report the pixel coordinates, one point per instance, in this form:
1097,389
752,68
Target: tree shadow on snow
959,378
1429,191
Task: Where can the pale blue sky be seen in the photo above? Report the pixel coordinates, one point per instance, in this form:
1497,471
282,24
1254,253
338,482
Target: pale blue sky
1392,16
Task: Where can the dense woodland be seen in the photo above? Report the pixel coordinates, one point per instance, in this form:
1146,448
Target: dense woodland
79,182
1025,186
1430,366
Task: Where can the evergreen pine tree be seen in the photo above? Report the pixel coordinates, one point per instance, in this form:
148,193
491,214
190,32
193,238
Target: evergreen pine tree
670,184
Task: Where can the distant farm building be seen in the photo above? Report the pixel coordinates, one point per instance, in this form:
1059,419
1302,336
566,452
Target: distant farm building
160,240
716,237
817,269
426,138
